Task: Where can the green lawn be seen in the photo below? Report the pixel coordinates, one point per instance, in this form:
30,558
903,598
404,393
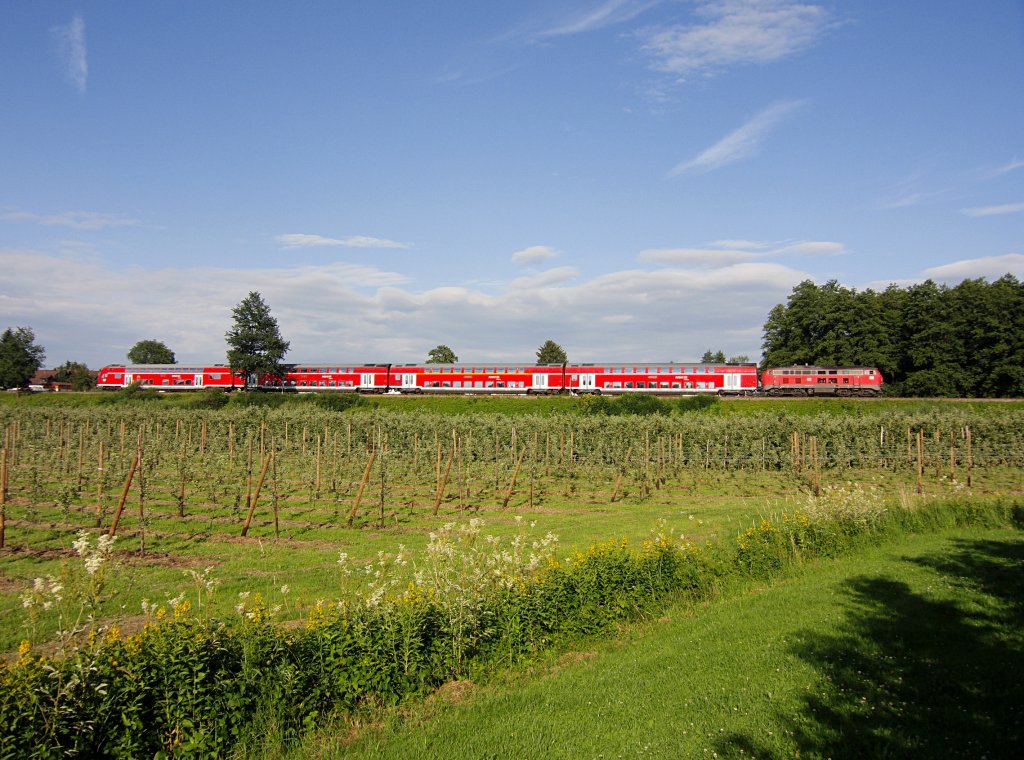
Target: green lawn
911,649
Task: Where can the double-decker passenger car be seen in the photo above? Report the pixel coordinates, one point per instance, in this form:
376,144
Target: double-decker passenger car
803,380
664,378
483,378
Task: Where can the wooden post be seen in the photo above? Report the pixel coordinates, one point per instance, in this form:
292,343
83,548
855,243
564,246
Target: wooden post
444,482
3,497
259,485
362,486
622,472
921,461
273,489
515,475
970,459
81,453
952,457
99,489
316,486
816,465
124,495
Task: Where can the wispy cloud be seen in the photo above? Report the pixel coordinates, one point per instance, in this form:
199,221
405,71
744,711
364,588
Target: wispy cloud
1006,208
70,40
727,253
609,13
992,267
1013,165
736,32
738,145
301,240
79,220
534,254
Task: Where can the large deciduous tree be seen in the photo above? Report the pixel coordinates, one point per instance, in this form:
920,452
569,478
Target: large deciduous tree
441,355
20,357
928,339
76,374
551,353
150,352
255,345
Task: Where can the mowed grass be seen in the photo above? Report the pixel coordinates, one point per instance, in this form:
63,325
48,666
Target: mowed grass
910,649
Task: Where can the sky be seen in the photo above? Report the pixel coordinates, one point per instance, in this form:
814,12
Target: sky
637,180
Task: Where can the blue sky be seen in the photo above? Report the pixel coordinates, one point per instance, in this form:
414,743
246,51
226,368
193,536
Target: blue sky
634,179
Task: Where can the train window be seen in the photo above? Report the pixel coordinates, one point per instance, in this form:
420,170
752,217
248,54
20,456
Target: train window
629,384
665,385
446,384
641,385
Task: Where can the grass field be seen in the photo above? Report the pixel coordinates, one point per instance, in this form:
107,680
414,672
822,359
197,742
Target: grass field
760,671
911,649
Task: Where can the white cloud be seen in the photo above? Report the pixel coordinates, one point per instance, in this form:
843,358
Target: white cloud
701,257
991,267
736,32
724,253
545,279
79,220
302,240
343,312
533,254
1006,208
71,45
812,248
742,143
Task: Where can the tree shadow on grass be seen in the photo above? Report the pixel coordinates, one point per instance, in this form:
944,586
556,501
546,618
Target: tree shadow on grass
913,676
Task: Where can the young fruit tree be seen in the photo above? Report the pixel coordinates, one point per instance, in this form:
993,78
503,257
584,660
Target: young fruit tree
255,345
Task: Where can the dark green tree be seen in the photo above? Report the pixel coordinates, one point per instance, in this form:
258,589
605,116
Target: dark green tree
713,357
551,353
20,357
150,352
255,345
441,355
741,359
77,374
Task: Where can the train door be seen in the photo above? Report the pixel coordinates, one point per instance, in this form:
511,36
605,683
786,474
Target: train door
408,381
588,382
732,381
540,381
366,381
198,380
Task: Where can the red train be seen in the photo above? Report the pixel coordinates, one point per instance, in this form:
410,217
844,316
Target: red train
501,378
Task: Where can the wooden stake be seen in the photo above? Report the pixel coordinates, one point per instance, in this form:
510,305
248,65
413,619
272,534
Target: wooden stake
256,496
124,495
3,497
970,459
444,482
99,489
515,475
362,486
920,461
622,472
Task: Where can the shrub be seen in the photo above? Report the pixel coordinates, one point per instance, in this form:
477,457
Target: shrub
698,403
208,398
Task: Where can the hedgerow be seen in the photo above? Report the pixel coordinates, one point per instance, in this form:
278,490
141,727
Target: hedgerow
187,685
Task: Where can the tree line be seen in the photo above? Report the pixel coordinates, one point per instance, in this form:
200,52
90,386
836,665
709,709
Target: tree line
927,339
